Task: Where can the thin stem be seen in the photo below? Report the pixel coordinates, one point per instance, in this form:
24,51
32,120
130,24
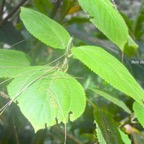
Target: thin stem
4,95
91,103
69,136
15,9
127,120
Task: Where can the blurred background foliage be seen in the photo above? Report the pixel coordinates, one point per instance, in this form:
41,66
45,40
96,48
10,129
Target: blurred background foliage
14,127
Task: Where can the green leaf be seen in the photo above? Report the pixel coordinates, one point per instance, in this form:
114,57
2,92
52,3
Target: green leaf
138,23
107,126
43,5
113,99
110,69
99,135
46,94
130,47
139,112
107,19
12,62
125,137
45,29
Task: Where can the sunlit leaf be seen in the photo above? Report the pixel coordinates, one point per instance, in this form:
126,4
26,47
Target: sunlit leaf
125,137
139,112
107,19
110,69
45,95
44,28
12,62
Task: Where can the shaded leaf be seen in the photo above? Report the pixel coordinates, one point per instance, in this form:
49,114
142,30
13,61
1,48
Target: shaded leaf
130,47
99,135
46,94
107,126
43,5
138,23
45,29
110,69
113,99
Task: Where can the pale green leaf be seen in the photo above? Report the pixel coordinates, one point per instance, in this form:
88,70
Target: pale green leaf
46,94
125,137
107,126
113,99
107,19
139,112
44,28
12,62
110,69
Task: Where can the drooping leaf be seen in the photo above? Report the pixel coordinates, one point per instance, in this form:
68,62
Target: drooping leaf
44,28
46,94
125,137
107,126
113,99
110,69
12,62
139,112
107,19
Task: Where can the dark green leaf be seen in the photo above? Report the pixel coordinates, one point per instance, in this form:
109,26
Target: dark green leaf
108,127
